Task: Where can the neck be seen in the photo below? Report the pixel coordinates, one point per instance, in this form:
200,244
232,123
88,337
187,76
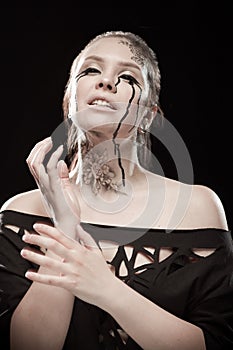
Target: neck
109,164
119,154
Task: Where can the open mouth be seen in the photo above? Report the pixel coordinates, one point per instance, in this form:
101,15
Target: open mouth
102,103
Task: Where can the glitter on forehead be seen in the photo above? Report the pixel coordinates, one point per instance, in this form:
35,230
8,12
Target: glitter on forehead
137,57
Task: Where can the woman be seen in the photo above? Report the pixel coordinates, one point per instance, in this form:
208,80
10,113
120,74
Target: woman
106,254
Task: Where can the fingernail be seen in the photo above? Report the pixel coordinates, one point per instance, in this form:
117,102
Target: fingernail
37,226
29,274
25,236
23,252
60,147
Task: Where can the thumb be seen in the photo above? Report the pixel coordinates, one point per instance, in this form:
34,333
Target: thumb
63,171
68,191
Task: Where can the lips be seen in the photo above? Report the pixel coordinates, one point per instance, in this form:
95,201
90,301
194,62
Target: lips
100,102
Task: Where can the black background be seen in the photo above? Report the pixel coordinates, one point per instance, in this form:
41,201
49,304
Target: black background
193,44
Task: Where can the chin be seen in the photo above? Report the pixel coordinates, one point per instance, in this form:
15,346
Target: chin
112,130
104,121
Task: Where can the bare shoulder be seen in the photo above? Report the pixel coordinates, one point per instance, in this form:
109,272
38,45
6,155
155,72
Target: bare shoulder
26,202
192,206
206,208
187,206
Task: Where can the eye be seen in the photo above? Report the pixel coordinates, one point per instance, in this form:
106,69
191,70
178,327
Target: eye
91,70
129,78
87,71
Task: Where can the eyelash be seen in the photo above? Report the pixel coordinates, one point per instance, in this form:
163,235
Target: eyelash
91,70
130,78
127,77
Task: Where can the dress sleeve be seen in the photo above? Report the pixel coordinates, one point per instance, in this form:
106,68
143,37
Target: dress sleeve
212,308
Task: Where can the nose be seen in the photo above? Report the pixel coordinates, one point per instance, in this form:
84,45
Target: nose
106,84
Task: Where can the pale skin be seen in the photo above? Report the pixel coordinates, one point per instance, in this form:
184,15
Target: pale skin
73,265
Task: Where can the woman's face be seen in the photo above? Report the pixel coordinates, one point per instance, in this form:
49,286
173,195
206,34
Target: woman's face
109,85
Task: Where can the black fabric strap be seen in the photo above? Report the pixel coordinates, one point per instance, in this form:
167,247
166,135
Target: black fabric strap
180,238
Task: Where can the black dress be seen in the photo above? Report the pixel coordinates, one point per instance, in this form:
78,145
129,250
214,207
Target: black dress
194,288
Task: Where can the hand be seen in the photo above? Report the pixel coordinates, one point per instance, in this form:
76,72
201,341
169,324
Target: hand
79,267
54,183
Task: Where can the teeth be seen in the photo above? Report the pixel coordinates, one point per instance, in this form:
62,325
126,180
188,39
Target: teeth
101,103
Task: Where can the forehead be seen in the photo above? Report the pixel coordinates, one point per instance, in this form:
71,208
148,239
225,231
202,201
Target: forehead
115,48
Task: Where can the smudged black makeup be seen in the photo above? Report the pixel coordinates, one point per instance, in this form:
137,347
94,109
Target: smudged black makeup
132,82
82,74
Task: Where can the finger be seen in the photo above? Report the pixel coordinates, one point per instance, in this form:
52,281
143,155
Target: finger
52,171
57,281
69,193
37,156
57,266
63,171
43,180
53,161
86,239
46,243
30,158
56,234
36,147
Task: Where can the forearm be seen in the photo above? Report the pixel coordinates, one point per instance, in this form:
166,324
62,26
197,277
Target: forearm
149,325
41,320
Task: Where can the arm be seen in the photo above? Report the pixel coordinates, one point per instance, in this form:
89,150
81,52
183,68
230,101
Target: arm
85,273
37,322
149,325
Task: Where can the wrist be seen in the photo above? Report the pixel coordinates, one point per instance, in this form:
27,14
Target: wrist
111,298
68,226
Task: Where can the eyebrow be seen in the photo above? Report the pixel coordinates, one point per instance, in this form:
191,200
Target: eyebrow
120,63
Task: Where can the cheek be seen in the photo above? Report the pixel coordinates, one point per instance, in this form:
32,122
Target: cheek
133,114
125,92
132,95
84,88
